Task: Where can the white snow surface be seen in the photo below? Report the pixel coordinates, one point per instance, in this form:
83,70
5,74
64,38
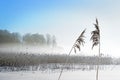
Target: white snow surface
109,74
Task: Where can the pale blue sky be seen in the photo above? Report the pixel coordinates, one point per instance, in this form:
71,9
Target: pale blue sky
65,19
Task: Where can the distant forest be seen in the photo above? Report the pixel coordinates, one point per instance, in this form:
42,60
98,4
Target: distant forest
7,37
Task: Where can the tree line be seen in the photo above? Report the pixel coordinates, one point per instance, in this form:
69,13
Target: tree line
29,39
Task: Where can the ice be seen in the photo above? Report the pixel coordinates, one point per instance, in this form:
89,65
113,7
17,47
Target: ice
109,74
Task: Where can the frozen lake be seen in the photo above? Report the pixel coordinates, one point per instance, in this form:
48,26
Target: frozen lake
112,73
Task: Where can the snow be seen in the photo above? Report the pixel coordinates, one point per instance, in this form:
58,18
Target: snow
108,74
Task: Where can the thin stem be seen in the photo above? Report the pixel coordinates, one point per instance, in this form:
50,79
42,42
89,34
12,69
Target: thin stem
66,62
97,72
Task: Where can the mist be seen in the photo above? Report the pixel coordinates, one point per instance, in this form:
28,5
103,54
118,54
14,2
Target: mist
28,43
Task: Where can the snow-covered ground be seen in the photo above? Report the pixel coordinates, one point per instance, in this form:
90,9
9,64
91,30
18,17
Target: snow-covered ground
108,74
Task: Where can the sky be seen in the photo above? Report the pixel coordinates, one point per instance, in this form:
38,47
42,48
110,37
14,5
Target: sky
65,19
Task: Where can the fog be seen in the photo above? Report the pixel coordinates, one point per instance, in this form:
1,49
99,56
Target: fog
21,48
28,43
